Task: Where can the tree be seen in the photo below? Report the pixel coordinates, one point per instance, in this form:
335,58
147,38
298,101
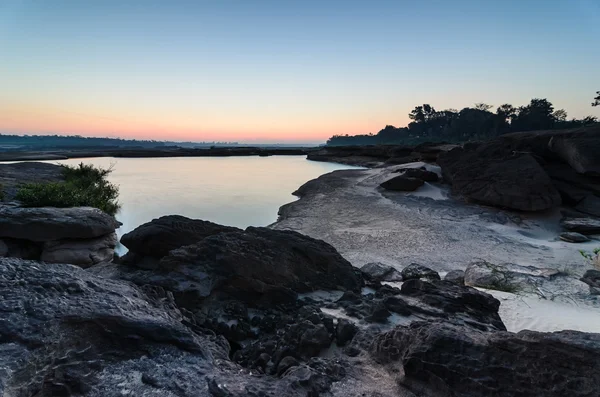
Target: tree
483,106
597,99
560,115
506,112
538,115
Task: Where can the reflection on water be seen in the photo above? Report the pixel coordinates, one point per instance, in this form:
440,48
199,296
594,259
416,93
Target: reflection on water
235,191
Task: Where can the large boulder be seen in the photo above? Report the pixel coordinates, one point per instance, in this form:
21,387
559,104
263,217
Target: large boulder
490,175
442,359
402,183
83,253
159,236
49,224
253,264
589,205
580,152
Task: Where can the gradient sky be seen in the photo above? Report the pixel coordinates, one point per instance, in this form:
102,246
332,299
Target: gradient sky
282,70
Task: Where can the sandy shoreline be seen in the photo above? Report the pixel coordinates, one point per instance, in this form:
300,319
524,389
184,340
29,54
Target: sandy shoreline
366,224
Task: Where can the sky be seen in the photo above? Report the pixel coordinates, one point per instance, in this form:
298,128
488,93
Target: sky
283,70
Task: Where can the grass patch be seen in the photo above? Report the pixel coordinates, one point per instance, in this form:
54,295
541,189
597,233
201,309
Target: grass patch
84,186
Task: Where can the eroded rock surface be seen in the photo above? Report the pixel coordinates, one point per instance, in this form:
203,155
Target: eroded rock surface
448,360
49,224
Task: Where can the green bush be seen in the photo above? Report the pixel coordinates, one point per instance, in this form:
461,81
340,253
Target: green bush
84,186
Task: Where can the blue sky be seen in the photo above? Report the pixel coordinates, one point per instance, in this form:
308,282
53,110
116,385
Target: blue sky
284,70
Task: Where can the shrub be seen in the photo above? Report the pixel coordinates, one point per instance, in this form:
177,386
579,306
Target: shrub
84,186
593,257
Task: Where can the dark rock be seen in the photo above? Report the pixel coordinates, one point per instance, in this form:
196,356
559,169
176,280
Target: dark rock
582,225
257,265
572,237
491,175
592,278
414,270
379,313
397,305
456,277
345,331
285,364
49,224
79,252
427,176
581,153
506,277
445,359
377,272
453,301
402,183
159,236
589,205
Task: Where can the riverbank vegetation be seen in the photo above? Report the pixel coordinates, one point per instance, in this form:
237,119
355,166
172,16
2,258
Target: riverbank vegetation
83,186
479,122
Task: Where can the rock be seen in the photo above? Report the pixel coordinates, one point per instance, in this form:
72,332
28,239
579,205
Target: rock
379,313
454,303
314,339
402,183
572,237
259,265
416,271
65,331
456,277
427,176
507,277
345,331
3,248
82,253
15,174
580,152
79,320
159,236
48,224
286,363
582,225
592,278
450,360
377,272
589,205
490,175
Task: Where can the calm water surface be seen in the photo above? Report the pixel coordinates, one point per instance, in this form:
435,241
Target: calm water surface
235,191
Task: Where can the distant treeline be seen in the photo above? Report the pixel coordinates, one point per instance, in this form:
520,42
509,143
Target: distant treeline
471,123
48,142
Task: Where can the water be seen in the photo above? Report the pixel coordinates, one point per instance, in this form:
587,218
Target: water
235,191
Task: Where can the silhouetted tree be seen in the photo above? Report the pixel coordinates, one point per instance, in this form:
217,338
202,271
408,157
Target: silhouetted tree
535,116
597,99
483,106
560,115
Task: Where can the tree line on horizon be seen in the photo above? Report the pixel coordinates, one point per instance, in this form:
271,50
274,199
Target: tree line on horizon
44,142
469,124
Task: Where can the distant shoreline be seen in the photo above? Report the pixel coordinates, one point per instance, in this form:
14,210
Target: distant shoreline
64,154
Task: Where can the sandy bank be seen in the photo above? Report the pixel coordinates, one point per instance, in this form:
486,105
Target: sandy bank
366,224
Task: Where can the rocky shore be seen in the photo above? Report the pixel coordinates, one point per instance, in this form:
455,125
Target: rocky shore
406,279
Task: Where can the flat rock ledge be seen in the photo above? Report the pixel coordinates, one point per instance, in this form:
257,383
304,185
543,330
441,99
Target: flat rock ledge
81,236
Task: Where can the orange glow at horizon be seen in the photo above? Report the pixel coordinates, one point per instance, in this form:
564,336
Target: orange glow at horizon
173,126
